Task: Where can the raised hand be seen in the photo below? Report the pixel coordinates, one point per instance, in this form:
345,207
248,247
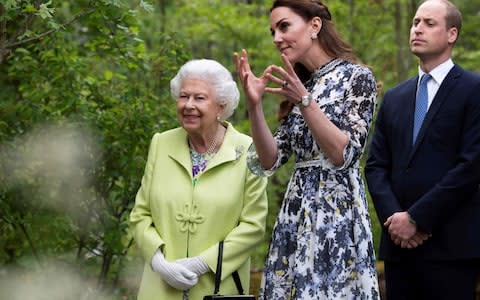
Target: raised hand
290,85
254,87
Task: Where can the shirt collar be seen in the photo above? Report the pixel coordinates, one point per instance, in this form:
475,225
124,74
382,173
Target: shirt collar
439,72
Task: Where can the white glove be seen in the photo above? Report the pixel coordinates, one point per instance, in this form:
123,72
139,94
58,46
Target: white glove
173,273
195,264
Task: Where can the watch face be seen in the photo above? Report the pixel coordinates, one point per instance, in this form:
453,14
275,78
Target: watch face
306,100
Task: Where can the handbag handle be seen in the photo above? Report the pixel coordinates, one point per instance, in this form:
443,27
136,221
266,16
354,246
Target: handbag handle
218,273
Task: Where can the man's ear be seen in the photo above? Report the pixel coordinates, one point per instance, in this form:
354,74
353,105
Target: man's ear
452,35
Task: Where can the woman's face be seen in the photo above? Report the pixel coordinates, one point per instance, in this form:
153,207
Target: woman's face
291,34
197,109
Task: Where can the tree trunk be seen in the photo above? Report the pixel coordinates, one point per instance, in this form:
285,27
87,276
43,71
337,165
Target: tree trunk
107,261
3,35
403,55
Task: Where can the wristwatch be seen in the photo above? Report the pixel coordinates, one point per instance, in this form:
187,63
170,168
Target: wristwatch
305,100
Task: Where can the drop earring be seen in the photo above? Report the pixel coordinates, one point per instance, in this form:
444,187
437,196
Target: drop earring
313,36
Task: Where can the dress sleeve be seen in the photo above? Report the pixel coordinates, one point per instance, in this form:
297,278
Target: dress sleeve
284,151
357,115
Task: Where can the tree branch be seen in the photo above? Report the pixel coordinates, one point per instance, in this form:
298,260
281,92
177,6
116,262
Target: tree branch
48,32
29,18
30,242
28,23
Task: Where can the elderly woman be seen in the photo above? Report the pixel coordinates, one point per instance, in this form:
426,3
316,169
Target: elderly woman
197,191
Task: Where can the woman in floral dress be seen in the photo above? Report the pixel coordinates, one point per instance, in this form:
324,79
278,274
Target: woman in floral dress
322,241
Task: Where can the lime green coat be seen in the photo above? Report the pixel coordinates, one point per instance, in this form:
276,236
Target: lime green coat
228,202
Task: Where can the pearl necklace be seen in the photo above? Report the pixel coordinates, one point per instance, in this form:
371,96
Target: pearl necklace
202,159
211,148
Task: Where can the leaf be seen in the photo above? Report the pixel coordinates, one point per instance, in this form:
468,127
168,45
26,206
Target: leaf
29,9
10,4
46,12
116,3
54,25
85,92
22,50
108,75
146,6
28,33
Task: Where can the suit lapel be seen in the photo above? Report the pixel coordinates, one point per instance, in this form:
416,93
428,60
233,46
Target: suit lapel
411,96
443,92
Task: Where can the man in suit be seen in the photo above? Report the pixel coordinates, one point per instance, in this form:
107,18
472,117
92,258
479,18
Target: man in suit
423,172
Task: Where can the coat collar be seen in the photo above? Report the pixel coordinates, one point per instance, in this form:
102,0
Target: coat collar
231,149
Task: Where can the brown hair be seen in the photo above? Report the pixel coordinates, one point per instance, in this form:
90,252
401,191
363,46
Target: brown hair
328,38
454,17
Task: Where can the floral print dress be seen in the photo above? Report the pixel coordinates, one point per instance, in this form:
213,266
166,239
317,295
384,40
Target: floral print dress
322,241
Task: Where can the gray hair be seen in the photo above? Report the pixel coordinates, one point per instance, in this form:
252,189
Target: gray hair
211,71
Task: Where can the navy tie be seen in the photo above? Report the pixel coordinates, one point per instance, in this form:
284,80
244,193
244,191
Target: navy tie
421,105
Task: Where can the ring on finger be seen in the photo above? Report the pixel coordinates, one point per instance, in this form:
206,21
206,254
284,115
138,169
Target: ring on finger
284,84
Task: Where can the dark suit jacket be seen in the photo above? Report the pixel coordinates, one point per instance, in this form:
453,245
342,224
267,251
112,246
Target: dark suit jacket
437,179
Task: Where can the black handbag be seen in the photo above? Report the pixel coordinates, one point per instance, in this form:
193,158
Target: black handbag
236,278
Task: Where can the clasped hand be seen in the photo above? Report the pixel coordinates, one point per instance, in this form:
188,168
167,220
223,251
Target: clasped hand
403,232
175,274
181,274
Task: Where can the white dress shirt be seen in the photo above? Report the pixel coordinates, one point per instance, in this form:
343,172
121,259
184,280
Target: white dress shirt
438,75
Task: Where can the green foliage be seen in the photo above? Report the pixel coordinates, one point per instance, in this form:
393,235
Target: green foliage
92,86
467,49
